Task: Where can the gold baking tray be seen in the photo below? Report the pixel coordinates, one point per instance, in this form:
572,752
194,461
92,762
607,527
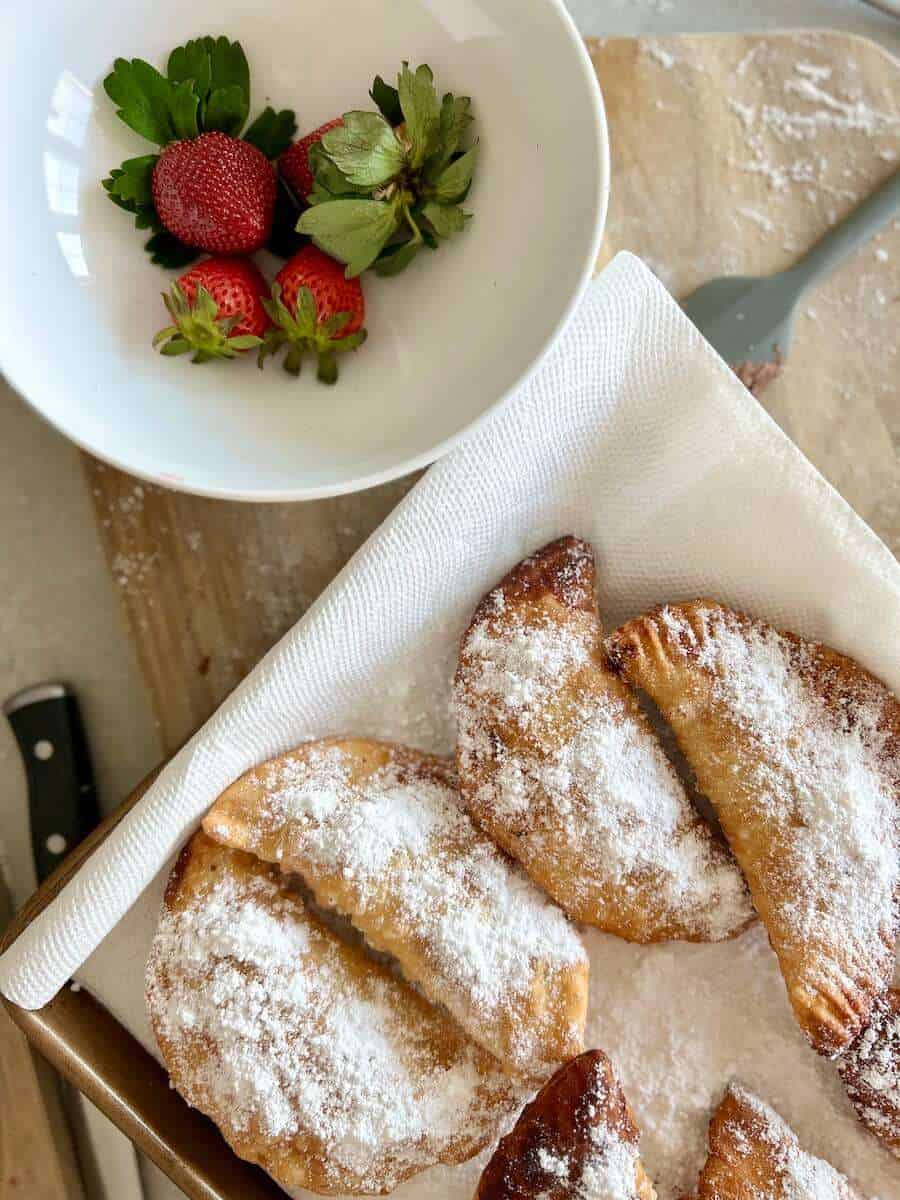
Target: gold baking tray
99,1056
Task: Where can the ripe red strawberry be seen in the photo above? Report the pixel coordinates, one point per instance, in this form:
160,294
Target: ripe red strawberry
217,310
314,308
215,192
294,163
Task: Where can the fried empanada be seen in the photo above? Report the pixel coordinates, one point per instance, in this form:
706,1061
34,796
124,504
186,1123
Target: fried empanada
379,834
755,1155
559,764
870,1070
576,1140
315,1062
798,750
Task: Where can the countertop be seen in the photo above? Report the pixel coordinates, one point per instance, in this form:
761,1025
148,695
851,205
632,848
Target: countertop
59,613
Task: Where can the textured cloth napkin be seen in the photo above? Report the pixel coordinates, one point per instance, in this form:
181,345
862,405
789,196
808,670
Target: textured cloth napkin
633,434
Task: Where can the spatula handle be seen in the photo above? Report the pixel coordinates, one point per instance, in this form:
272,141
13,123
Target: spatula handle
851,233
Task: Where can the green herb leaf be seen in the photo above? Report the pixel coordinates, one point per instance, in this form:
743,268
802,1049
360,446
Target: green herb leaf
353,231
455,120
364,149
143,98
272,132
395,259
226,110
167,251
421,111
444,219
387,99
453,182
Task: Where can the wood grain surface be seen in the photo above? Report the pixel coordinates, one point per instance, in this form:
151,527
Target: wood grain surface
731,154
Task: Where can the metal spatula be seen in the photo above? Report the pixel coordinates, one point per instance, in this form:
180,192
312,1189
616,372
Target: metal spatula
751,319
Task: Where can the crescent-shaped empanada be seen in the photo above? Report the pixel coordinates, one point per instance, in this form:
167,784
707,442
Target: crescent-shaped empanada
558,763
755,1155
315,1062
378,833
576,1140
798,750
870,1070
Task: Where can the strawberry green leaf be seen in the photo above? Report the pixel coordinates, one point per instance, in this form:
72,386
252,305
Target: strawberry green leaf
272,132
132,181
328,181
453,182
226,110
421,111
444,219
167,251
184,106
364,149
143,98
395,259
387,99
192,61
353,231
454,121
229,67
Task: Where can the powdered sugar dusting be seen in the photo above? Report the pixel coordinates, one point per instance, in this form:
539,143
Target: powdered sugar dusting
793,1173
414,871
871,1072
578,774
824,769
267,1029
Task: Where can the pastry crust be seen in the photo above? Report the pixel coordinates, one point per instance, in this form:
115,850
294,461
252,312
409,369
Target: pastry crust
576,1139
870,1070
559,764
378,833
315,1062
798,750
755,1155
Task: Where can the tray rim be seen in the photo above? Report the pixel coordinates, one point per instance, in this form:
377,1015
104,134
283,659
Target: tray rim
97,1055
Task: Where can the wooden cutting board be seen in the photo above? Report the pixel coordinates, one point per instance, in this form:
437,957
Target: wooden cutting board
730,154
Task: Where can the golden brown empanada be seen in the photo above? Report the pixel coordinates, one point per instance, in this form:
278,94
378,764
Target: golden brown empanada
379,834
315,1062
558,763
798,750
755,1155
576,1140
870,1070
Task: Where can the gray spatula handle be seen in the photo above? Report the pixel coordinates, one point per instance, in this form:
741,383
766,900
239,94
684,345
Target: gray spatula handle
856,229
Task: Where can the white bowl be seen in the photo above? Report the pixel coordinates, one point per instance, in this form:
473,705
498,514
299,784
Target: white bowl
448,340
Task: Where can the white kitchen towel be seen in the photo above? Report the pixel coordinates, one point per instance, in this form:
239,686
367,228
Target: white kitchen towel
632,434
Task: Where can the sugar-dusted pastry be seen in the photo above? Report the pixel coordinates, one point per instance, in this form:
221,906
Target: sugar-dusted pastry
798,749
755,1155
576,1140
379,834
558,763
870,1070
315,1062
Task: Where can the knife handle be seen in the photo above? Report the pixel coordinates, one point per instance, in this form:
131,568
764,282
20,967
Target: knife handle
62,797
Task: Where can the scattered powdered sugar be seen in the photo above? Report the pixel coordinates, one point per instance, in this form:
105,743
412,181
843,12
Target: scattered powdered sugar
584,777
795,1174
414,869
265,1027
608,1169
871,1071
819,758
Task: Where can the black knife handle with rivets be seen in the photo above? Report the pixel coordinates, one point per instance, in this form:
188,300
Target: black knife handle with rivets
62,797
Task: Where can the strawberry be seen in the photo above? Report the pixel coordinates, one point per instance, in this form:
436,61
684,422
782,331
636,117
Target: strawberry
217,309
294,166
215,192
314,308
